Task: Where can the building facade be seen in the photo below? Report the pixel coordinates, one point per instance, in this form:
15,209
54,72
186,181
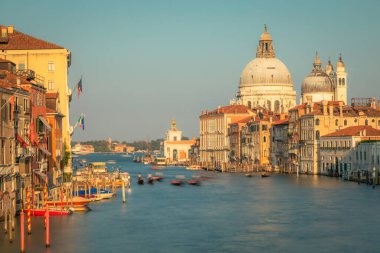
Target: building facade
47,62
279,148
214,126
177,150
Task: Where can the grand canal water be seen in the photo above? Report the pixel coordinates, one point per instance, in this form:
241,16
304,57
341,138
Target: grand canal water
227,213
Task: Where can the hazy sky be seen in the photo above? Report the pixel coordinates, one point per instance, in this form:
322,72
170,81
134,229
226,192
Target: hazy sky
146,62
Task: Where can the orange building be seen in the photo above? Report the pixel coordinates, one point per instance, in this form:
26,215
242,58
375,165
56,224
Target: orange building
55,143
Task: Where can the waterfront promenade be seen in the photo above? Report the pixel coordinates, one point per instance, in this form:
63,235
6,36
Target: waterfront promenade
227,213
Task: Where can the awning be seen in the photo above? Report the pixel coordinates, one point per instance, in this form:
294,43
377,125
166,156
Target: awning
43,120
46,152
22,142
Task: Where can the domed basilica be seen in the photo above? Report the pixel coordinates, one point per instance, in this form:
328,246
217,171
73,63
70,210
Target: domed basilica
325,85
266,81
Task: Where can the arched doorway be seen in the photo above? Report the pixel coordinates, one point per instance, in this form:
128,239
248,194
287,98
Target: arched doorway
175,155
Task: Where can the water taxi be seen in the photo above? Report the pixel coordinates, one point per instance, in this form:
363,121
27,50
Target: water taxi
194,167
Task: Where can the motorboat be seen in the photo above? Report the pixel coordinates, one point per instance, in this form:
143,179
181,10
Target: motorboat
248,174
176,182
265,175
194,167
193,182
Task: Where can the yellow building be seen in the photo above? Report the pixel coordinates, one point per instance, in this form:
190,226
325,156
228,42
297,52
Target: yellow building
326,117
47,62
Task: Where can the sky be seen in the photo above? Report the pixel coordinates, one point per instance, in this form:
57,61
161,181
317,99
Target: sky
145,63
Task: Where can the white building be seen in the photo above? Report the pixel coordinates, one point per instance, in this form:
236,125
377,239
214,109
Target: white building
347,151
176,149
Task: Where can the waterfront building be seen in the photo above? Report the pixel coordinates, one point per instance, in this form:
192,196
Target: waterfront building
45,61
175,149
119,148
326,84
55,143
235,136
255,141
266,81
214,143
15,154
80,149
350,150
279,147
326,117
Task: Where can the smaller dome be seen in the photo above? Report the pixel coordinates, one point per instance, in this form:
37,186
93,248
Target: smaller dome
314,82
340,65
265,36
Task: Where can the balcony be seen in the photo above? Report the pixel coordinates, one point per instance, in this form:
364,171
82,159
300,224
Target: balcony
28,74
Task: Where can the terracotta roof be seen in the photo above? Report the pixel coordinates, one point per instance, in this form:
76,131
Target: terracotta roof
355,131
48,110
244,120
21,41
52,95
229,109
281,122
4,60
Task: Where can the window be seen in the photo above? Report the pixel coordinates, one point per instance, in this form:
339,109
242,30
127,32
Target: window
343,81
249,104
51,85
336,122
264,127
365,156
345,122
265,139
21,66
51,66
317,135
317,122
366,122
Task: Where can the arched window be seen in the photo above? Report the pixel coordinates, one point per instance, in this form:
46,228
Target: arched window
343,81
277,106
269,105
366,122
266,46
317,135
345,122
265,139
336,122
317,122
340,81
249,104
175,155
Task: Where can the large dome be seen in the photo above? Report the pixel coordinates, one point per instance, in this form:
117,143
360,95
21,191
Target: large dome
317,83
265,71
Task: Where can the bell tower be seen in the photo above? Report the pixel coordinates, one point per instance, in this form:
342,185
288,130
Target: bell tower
341,81
265,48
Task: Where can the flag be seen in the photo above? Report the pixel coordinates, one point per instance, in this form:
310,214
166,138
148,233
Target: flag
82,123
79,86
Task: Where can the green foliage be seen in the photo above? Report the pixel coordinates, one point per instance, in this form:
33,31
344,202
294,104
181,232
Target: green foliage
66,155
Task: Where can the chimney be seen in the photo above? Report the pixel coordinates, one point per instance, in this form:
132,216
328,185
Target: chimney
373,103
4,32
10,29
340,108
364,132
18,82
324,107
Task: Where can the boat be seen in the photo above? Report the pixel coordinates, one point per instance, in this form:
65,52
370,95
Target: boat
194,167
79,209
75,201
111,162
176,182
41,212
265,175
140,180
248,174
193,182
150,180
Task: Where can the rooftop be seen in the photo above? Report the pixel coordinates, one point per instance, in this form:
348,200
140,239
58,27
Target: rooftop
355,131
20,41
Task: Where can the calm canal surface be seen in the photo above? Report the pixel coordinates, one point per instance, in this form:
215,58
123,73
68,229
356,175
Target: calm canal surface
228,213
